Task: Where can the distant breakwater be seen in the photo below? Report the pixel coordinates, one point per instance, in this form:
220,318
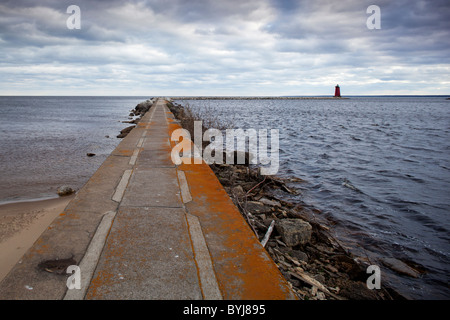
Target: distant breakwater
258,98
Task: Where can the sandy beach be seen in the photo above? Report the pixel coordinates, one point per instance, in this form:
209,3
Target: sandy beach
21,224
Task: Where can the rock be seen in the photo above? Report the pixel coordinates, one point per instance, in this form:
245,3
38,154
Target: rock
64,191
58,266
90,154
300,255
124,132
400,267
267,222
294,231
238,191
354,290
142,107
257,207
270,202
320,278
331,269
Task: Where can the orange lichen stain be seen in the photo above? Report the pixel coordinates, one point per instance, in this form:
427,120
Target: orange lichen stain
103,280
124,152
243,267
244,264
40,247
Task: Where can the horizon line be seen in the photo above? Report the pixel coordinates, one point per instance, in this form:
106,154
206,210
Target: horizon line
236,96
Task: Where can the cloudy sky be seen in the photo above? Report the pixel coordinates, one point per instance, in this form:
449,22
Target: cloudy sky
232,47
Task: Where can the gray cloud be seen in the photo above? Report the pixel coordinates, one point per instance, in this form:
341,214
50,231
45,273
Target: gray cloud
267,47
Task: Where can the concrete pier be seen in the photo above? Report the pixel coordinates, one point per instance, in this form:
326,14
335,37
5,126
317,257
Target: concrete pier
145,228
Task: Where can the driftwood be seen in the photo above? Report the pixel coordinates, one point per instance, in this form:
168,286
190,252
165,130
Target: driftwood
313,282
268,233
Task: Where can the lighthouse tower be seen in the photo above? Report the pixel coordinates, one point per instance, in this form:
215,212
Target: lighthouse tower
337,91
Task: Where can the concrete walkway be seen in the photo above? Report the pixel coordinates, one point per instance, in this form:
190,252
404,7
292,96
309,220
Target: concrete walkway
144,228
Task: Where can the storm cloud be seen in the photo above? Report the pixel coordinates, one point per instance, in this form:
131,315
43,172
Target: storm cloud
232,47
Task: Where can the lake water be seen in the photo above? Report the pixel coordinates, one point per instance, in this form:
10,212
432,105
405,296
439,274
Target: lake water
44,141
378,168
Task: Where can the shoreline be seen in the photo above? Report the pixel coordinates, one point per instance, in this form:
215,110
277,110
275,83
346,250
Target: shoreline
23,219
21,224
26,200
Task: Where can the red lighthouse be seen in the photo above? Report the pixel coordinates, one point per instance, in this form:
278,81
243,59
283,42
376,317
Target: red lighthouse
337,91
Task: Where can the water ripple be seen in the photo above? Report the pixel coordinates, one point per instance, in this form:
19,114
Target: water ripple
377,168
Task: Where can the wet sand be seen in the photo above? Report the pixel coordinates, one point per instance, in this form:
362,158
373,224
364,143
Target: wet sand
21,224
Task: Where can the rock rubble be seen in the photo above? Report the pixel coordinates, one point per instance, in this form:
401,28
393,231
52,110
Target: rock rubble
311,260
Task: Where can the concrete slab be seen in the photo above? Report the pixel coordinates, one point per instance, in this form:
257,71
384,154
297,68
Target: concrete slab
155,187
89,262
151,143
61,240
129,143
96,194
148,255
154,159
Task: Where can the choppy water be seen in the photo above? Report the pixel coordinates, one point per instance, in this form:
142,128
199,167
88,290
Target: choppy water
377,167
44,141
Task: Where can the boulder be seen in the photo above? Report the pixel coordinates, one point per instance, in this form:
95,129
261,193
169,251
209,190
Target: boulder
238,191
142,107
300,255
294,231
270,202
124,132
256,207
64,191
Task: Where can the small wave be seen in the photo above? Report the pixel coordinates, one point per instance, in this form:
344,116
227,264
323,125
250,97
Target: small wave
414,178
410,160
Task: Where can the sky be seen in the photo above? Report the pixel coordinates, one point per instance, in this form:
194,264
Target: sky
224,48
